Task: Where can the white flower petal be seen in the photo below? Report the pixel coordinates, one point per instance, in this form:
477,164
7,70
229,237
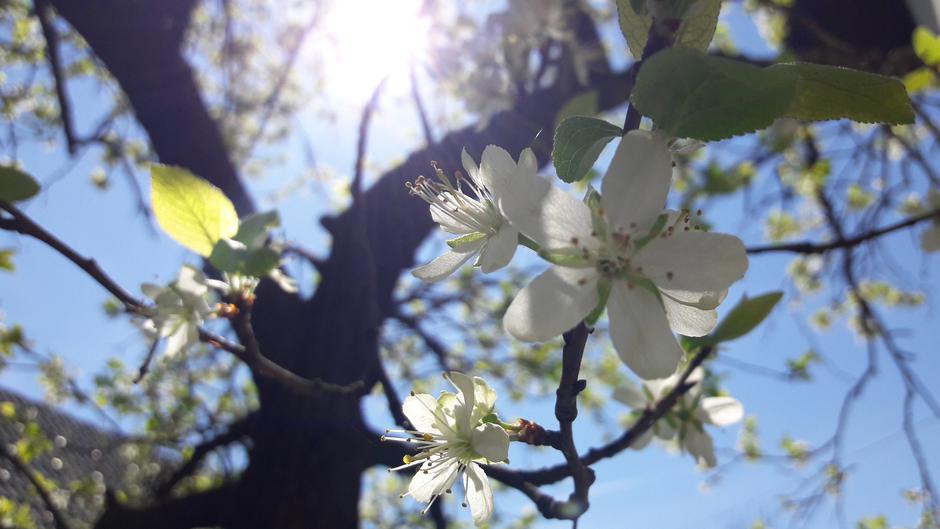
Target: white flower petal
479,494
640,332
700,445
470,166
543,212
485,399
722,411
499,249
694,261
491,442
930,239
552,303
419,408
664,430
447,263
181,335
688,320
635,185
191,281
432,480
632,396
699,300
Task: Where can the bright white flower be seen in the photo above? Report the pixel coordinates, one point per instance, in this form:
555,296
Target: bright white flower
452,439
481,229
660,272
180,307
686,421
930,238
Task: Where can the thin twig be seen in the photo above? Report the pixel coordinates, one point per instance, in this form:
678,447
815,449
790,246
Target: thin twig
43,13
422,112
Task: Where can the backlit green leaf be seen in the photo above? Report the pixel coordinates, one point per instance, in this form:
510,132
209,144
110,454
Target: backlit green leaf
190,210
579,141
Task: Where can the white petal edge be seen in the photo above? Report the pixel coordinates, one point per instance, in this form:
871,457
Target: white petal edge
499,249
722,411
689,320
419,409
640,332
694,261
479,494
430,482
491,442
447,263
637,181
552,303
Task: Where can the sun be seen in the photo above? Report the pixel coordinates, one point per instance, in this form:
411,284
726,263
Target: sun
371,40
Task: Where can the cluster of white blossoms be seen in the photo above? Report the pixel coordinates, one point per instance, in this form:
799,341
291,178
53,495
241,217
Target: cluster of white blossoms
179,309
685,422
652,268
452,435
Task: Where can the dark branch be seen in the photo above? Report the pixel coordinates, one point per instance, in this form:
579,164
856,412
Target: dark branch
44,13
58,516
808,247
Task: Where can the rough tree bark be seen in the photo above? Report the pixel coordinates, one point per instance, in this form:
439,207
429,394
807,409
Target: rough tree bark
308,454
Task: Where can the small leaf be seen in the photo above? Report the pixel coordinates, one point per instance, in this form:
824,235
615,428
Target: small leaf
927,46
583,104
234,257
190,210
579,141
15,185
830,92
253,229
635,23
6,260
743,318
698,24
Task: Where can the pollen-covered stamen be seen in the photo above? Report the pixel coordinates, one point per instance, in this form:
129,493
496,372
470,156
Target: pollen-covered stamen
478,214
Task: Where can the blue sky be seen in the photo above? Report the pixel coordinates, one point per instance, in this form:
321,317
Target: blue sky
61,309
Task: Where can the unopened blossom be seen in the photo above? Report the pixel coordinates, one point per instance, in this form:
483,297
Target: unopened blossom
659,272
179,309
930,238
481,228
686,421
452,439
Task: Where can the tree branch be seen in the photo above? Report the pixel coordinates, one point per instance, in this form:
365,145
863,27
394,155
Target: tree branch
43,13
809,247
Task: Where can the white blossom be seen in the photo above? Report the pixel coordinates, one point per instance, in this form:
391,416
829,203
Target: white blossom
452,439
661,274
481,228
685,423
179,309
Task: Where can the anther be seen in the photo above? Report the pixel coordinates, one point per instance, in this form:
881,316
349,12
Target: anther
669,276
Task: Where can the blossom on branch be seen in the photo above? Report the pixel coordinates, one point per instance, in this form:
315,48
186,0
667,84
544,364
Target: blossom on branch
686,421
654,270
481,228
453,434
179,309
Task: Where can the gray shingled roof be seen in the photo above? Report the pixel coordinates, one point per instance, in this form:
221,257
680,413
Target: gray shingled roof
81,450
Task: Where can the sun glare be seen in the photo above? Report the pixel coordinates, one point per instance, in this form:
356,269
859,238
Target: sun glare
371,40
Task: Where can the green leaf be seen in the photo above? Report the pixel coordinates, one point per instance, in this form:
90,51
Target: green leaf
603,293
830,92
190,210
6,260
690,94
15,185
635,23
927,46
234,257
698,24
579,141
743,318
254,229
